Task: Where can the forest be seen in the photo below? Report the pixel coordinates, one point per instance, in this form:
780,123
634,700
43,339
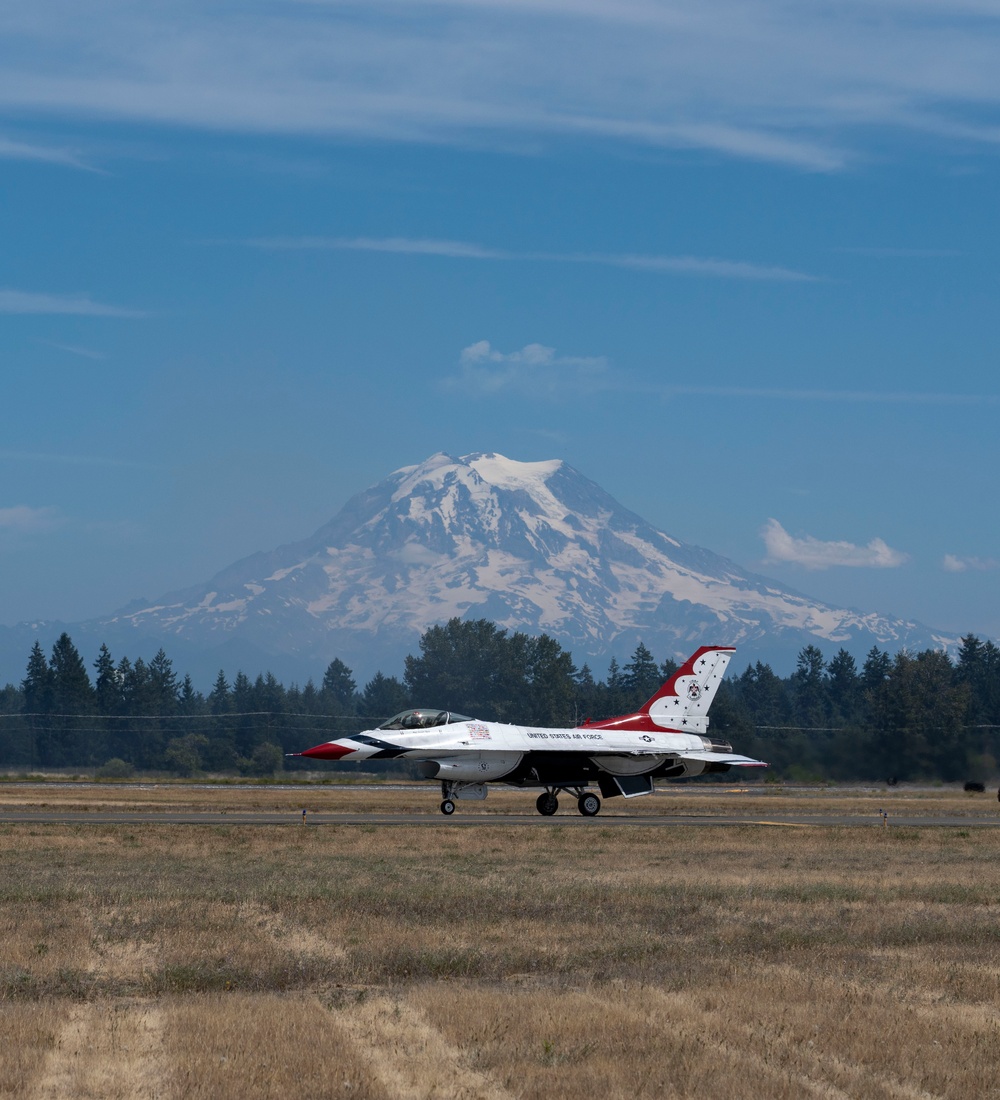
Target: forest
908,716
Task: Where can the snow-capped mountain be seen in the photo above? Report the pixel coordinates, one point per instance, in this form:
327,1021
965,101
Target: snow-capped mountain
533,546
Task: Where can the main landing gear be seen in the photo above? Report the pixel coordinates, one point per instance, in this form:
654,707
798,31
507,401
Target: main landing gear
588,804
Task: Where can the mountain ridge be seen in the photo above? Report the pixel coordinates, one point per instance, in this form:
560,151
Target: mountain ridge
534,546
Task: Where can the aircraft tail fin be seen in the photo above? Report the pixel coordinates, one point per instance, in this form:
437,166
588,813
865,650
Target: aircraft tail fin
691,689
683,701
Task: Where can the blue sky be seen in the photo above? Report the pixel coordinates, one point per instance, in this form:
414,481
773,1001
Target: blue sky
738,263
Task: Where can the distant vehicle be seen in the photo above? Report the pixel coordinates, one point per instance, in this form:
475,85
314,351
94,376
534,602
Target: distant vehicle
664,739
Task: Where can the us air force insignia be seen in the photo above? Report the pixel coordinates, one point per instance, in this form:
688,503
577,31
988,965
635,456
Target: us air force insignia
694,690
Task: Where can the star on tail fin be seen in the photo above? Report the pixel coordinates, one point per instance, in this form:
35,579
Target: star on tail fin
691,689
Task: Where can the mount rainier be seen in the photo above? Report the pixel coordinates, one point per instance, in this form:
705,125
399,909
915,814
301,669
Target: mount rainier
533,546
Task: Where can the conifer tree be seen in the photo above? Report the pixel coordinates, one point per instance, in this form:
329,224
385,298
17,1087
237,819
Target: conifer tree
586,693
339,688
36,689
875,696
614,692
809,690
221,754
37,683
550,686
107,684
135,686
69,736
844,687
640,678
876,669
269,695
309,699
667,669
219,699
72,692
189,701
242,693
464,666
383,697
162,684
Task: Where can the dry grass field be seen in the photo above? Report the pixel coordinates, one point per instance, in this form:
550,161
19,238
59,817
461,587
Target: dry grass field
544,962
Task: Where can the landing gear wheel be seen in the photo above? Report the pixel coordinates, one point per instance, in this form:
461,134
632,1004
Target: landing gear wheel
547,804
588,805
447,807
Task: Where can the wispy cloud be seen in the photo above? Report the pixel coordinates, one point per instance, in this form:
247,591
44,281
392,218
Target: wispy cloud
903,253
875,397
21,301
76,460
952,563
20,150
411,246
813,553
470,250
751,79
743,142
535,370
697,265
74,349
22,520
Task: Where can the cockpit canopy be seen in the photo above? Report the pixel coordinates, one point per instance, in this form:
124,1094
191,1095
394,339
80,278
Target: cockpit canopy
422,719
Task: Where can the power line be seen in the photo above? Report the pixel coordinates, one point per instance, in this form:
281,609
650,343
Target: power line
878,729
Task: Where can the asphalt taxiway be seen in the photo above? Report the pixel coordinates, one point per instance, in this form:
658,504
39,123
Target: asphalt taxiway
430,819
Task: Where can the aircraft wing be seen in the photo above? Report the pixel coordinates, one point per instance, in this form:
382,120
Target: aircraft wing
721,758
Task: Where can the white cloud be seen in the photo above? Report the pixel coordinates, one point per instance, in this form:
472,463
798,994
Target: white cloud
867,397
951,563
753,79
698,265
813,553
21,301
469,250
74,349
903,253
77,460
412,246
20,150
535,370
23,520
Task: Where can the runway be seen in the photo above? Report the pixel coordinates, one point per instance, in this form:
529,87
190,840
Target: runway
431,819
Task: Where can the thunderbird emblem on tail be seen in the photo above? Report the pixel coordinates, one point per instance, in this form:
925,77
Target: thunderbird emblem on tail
665,739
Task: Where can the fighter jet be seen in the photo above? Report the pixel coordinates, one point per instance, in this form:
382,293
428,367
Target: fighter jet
664,739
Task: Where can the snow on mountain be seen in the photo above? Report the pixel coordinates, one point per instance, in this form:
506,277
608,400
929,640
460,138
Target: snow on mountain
533,546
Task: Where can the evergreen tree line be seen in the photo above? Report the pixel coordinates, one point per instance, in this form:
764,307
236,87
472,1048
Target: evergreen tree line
909,716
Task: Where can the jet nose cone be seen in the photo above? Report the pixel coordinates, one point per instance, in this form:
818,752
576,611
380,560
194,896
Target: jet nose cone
331,750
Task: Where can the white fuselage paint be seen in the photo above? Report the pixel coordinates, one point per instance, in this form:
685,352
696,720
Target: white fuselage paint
495,749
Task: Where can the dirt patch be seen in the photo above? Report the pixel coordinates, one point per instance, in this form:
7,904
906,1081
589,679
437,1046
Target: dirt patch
107,1049
412,1059
291,936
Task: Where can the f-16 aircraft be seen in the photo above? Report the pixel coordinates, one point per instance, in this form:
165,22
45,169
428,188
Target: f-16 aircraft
664,739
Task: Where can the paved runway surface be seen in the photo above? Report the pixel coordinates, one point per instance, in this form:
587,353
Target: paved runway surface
167,817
